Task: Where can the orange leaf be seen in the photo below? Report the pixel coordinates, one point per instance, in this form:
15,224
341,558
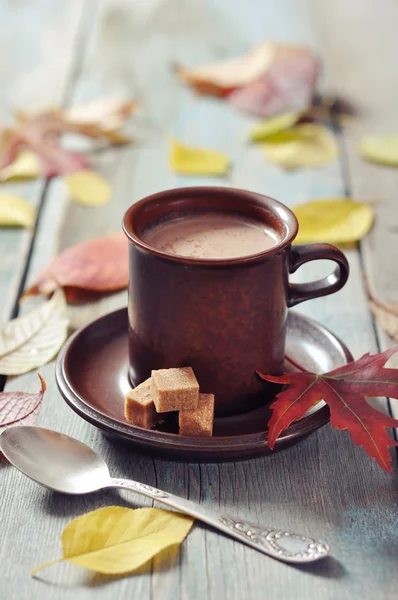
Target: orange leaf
345,391
270,79
101,118
96,266
220,78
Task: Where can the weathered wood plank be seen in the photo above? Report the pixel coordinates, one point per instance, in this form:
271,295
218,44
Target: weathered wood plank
37,40
369,84
325,486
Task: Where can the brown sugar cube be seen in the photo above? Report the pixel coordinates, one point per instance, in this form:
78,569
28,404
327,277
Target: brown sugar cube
139,408
198,422
174,389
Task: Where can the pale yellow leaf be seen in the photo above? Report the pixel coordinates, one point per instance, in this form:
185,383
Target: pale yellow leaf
197,161
117,540
101,118
334,220
16,212
25,166
35,338
386,314
88,188
387,317
380,149
105,112
306,145
273,125
235,72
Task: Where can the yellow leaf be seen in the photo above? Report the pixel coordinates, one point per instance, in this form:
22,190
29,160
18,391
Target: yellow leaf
117,540
380,149
25,166
88,188
334,220
274,125
16,212
197,161
306,145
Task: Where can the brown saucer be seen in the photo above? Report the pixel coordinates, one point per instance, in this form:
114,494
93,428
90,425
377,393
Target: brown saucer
91,373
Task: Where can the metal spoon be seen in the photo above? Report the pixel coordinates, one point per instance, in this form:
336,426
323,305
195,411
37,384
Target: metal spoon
66,465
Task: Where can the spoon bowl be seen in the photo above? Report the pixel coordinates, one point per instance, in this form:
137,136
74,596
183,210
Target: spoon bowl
66,465
54,460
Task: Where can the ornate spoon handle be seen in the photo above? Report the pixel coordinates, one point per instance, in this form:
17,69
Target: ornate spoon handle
282,545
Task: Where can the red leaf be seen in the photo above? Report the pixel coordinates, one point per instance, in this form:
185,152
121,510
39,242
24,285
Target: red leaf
20,408
287,86
99,265
270,79
39,136
345,391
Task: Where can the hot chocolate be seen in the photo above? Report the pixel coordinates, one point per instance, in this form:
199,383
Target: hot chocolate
211,235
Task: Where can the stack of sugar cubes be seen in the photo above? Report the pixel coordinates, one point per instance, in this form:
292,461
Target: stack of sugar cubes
169,390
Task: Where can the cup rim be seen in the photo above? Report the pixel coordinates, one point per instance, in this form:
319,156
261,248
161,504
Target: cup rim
281,211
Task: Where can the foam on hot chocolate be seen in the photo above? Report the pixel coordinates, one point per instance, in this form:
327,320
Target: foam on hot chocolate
211,235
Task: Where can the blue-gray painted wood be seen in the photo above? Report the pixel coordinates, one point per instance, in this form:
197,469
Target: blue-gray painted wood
325,485
37,45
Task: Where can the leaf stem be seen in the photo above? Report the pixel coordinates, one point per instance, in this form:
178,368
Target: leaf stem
294,363
46,564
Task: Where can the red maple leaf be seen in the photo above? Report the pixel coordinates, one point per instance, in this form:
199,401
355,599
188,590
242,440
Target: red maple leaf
345,391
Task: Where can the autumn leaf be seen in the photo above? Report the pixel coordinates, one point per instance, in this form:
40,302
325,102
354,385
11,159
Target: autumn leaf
288,85
35,338
116,540
88,188
333,220
270,79
20,408
305,145
105,116
345,391
98,265
35,135
39,134
386,314
197,161
269,127
219,79
16,212
380,149
25,166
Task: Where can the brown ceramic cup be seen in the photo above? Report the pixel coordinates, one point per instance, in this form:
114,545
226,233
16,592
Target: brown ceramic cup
224,318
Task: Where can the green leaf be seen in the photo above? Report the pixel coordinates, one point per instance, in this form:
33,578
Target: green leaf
274,125
306,145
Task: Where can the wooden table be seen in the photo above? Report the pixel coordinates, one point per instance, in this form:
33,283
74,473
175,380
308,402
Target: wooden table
67,52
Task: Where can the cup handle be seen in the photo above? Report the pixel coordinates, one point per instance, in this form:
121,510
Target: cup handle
299,292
